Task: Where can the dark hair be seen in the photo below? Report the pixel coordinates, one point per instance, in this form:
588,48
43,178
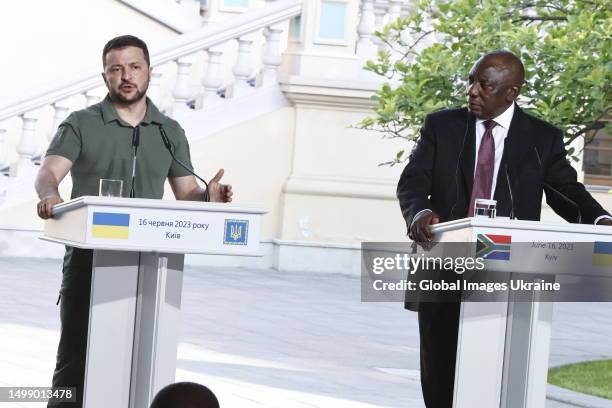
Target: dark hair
185,395
125,41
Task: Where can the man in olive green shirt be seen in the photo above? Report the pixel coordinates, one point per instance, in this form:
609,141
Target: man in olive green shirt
98,143
101,142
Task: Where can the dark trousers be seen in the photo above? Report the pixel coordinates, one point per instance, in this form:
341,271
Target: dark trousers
438,329
74,317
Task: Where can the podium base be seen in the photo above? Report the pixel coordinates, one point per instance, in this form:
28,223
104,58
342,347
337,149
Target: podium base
134,319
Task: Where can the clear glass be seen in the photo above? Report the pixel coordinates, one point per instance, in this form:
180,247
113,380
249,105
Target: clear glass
110,188
485,208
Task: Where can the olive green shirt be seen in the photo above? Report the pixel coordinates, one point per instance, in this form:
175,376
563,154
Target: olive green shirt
99,144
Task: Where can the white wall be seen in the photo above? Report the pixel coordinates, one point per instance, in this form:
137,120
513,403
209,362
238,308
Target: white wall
256,157
46,42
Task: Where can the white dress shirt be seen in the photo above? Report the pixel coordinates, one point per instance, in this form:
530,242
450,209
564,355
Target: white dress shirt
500,132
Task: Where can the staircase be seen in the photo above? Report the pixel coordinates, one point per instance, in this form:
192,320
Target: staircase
210,78
193,74
271,94
264,93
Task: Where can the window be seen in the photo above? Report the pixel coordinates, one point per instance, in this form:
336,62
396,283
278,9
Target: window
332,21
236,3
295,28
597,160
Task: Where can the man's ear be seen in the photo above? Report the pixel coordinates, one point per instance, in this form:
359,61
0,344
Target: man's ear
104,78
513,93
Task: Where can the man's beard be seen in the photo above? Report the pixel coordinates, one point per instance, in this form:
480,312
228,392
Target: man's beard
118,98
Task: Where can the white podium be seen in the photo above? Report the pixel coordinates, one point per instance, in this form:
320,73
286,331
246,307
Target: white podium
503,346
139,247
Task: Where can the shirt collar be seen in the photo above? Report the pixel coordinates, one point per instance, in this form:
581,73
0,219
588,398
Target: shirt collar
153,115
503,119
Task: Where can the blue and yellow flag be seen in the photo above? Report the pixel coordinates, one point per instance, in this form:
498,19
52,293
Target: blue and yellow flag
110,225
602,254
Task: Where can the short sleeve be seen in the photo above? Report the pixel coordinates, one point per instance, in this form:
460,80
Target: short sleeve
181,152
65,143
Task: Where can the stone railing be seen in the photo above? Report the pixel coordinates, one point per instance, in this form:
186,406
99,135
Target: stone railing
197,70
204,46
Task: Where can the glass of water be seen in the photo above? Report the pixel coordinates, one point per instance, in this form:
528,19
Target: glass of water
485,208
110,188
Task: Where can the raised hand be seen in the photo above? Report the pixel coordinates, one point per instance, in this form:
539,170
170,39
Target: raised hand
217,192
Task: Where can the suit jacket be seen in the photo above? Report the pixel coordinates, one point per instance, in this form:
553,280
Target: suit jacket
440,171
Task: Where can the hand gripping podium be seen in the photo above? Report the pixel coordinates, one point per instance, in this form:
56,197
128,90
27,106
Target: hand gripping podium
503,346
137,276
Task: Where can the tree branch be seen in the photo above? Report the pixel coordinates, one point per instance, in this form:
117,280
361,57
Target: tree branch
542,18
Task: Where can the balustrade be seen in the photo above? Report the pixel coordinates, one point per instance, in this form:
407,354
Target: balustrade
365,45
27,144
243,68
212,80
3,149
183,86
154,91
60,112
91,98
182,91
271,58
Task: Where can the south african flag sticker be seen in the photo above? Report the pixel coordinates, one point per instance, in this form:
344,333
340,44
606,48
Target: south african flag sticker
492,246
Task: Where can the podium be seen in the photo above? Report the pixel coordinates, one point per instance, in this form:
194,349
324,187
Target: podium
139,247
503,345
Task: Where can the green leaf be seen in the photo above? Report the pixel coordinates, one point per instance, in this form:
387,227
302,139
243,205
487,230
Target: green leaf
567,61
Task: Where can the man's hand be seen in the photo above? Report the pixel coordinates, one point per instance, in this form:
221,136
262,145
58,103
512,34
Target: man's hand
52,171
45,206
604,221
217,192
420,230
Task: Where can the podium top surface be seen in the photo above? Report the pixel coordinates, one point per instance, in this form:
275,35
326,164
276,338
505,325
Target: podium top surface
153,204
506,223
149,225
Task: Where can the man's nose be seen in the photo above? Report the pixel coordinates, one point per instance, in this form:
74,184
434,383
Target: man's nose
126,74
471,89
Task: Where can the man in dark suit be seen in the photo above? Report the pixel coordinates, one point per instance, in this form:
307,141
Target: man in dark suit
491,150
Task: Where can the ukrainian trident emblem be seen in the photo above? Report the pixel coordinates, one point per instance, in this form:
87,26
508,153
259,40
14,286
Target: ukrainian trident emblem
236,232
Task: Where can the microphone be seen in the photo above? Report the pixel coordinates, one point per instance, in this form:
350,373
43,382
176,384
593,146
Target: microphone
136,137
566,198
510,190
166,141
135,144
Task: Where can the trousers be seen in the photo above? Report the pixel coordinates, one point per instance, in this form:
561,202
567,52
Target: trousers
74,316
438,330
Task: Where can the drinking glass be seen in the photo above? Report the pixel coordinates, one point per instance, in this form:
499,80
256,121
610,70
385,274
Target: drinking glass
110,188
485,208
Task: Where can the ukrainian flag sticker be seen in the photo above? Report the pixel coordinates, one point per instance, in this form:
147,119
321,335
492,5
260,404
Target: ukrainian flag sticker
110,225
602,254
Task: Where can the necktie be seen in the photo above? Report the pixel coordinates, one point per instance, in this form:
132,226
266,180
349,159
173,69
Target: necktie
483,180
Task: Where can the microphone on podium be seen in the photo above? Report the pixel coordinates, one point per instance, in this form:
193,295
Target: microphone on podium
168,145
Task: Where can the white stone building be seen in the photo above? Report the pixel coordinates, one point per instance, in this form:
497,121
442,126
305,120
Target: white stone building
268,90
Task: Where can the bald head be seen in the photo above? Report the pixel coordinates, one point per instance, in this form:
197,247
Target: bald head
507,61
494,83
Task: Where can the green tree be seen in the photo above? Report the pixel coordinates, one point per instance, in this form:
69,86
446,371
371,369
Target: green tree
565,46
